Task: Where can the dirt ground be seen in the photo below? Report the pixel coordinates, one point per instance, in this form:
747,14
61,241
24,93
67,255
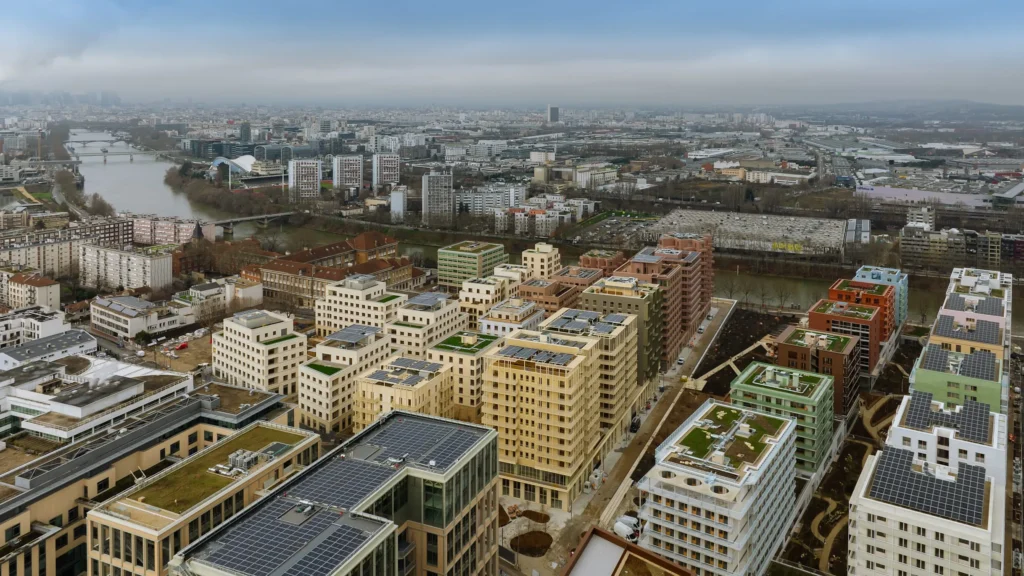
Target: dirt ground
743,329
893,380
199,351
688,402
534,544
720,383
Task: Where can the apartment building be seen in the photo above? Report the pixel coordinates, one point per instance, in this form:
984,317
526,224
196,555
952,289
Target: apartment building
825,353
955,378
171,509
33,289
423,320
608,554
438,200
720,497
123,317
511,315
543,260
908,515
97,230
616,334
465,260
621,295
941,249
259,349
890,277
153,230
646,266
27,324
304,180
54,485
882,296
403,383
517,275
410,493
327,383
581,278
386,169
464,351
694,302
549,296
347,172
102,267
479,295
702,244
804,397
608,261
212,300
858,320
546,456
358,299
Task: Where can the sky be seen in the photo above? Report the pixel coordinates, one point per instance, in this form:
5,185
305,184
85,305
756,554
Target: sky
523,52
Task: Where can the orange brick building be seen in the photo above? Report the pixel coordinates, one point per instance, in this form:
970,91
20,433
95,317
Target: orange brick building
861,320
859,292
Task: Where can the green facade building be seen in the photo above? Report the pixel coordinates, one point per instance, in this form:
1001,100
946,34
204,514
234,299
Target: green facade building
467,260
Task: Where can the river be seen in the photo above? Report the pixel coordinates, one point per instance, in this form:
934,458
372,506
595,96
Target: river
139,187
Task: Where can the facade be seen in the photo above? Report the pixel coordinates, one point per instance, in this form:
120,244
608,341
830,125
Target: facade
358,299
629,296
649,266
955,378
825,353
804,397
724,504
304,180
479,295
385,169
260,350
327,383
126,269
858,320
547,467
402,383
549,296
153,230
123,317
607,260
399,197
511,315
423,320
438,200
552,115
516,273
48,348
24,290
303,284
347,172
465,260
419,495
27,324
581,278
941,249
464,351
703,244
212,300
881,295
890,277
543,260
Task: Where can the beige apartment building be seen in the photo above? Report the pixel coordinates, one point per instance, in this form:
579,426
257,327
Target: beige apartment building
261,350
543,260
478,295
511,315
617,365
464,352
403,383
138,531
631,296
422,320
541,395
24,290
549,296
517,273
358,299
327,383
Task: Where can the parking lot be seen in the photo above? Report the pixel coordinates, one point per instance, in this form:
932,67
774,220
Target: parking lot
617,229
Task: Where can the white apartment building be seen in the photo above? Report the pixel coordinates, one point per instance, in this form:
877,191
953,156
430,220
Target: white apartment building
122,317
304,179
478,295
423,320
347,172
923,216
909,516
438,199
386,169
482,201
517,273
358,299
259,349
327,383
9,174
213,299
720,497
543,260
541,157
31,289
455,152
464,351
399,195
102,267
49,348
153,230
511,315
780,178
27,324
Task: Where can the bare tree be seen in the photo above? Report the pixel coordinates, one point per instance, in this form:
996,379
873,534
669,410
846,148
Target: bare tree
782,292
745,289
728,284
763,293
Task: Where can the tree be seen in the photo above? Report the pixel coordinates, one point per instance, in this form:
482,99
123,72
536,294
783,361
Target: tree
745,289
728,284
763,293
143,338
782,292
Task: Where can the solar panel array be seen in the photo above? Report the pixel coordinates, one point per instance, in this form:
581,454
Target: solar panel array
896,482
971,422
647,258
330,552
422,441
990,306
985,331
935,358
341,483
979,364
353,334
586,315
616,318
417,364
428,299
535,355
399,379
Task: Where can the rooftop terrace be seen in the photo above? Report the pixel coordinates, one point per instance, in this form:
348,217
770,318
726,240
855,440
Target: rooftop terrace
825,340
866,287
724,439
768,376
466,342
834,307
472,247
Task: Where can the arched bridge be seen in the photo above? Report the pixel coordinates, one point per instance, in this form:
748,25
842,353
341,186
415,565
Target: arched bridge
263,220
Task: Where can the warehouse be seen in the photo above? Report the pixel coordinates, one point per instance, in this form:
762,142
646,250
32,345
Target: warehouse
758,232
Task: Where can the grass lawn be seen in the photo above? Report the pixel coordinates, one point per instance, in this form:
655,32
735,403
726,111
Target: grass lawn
281,339
44,196
407,324
388,298
191,483
328,370
698,441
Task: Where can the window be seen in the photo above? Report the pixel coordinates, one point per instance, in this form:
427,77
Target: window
79,531
175,447
906,442
12,532
940,536
193,437
903,526
103,485
979,457
432,549
72,514
207,436
61,542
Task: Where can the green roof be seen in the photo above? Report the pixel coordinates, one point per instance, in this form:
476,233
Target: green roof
719,420
328,370
836,342
472,247
387,298
454,343
279,339
754,375
871,288
845,309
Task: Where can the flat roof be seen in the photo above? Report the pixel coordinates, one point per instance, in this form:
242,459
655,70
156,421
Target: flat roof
832,342
899,480
986,305
862,286
233,399
48,344
472,246
404,371
981,364
466,342
603,553
578,272
972,421
982,331
788,380
839,308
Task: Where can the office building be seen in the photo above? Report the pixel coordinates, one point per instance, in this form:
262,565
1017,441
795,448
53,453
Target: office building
804,397
608,261
510,315
858,320
516,273
543,260
48,348
260,350
602,553
304,180
479,295
616,334
347,172
125,269
402,383
467,259
720,497
541,462
123,317
410,493
552,115
245,132
464,351
438,200
385,170
890,277
882,296
825,353
630,296
358,299
423,320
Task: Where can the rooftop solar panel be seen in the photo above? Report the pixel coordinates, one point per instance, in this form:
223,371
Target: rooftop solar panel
353,334
984,331
896,482
971,421
342,483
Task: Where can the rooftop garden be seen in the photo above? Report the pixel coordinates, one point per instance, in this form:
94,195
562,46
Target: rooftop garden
279,339
455,343
836,342
408,325
326,370
738,449
388,298
191,482
869,287
845,309
755,376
